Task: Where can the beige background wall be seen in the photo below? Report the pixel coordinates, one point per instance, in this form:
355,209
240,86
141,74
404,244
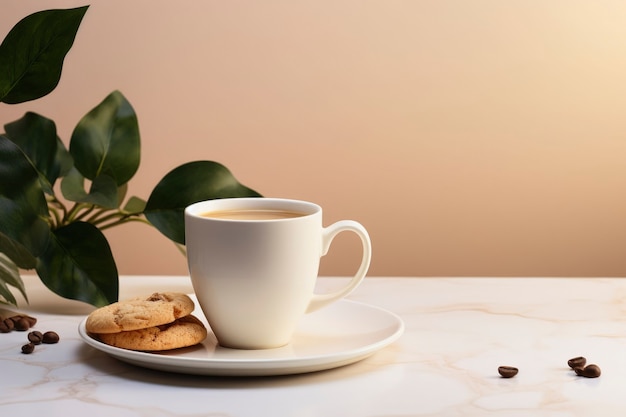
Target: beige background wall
471,137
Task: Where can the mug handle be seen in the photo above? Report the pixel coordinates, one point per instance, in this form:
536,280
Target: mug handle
328,234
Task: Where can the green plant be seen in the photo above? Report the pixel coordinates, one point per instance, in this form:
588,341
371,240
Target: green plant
61,237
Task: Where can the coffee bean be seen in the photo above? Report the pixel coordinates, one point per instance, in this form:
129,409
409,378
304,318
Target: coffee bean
28,348
31,320
21,324
50,338
507,371
589,371
578,362
10,324
35,337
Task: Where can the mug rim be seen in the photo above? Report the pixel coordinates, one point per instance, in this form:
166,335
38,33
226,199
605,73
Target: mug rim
306,207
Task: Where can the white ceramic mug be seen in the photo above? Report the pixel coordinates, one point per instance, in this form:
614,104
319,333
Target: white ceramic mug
255,279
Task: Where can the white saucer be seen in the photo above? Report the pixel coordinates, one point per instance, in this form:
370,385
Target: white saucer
340,334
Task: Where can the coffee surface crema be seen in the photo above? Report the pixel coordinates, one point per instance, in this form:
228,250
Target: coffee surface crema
253,214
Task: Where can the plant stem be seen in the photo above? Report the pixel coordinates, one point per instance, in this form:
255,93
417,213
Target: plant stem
54,206
122,220
84,213
55,202
95,217
96,220
55,218
71,214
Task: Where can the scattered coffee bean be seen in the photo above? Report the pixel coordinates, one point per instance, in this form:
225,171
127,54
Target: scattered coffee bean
3,327
50,338
35,337
28,348
589,371
507,371
578,362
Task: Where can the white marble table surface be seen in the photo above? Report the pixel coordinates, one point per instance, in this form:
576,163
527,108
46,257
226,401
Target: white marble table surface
458,331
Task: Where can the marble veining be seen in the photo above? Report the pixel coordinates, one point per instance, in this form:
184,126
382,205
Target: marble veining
458,331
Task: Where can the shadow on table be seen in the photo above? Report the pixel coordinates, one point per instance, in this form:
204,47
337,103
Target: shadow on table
108,365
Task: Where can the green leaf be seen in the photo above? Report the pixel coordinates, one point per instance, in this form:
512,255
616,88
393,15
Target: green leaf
17,252
37,138
134,205
121,194
187,184
106,141
23,207
10,275
103,191
5,293
63,158
32,53
78,264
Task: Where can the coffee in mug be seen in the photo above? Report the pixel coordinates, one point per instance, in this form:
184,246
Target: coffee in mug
252,214
254,262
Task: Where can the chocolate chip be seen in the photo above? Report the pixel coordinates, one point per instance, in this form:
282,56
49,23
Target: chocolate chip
507,371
